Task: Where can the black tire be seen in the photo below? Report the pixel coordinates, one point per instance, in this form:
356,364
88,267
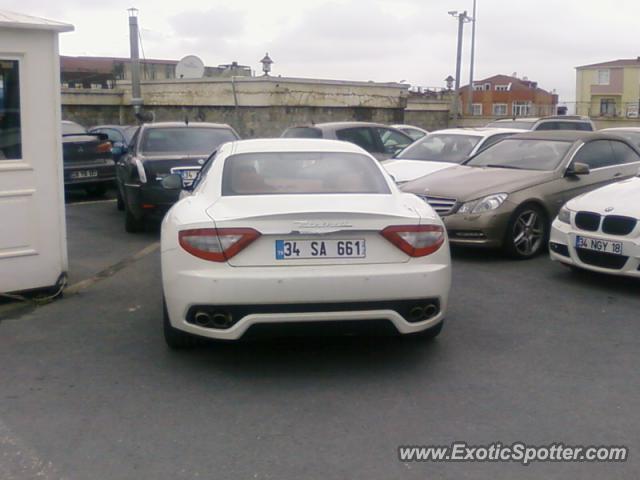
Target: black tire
97,189
119,201
131,223
176,339
527,232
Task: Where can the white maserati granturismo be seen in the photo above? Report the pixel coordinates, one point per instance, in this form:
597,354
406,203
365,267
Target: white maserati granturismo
600,230
299,233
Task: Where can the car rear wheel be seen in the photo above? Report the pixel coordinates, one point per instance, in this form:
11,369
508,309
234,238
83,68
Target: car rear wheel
131,223
527,232
176,339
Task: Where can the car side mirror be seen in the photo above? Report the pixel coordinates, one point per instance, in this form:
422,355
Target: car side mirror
578,168
172,182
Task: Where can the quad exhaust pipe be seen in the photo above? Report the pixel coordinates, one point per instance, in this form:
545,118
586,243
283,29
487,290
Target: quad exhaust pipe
206,319
419,313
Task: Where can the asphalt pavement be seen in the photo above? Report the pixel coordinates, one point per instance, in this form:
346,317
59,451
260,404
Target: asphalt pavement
530,352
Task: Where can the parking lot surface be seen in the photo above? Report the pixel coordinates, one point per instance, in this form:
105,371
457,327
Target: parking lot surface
530,352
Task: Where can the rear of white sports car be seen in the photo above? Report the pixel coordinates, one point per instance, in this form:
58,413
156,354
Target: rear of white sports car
294,237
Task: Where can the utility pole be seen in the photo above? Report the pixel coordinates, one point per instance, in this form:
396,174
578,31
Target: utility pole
462,18
136,96
471,61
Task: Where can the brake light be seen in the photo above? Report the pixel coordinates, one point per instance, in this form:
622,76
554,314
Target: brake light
415,240
104,147
216,244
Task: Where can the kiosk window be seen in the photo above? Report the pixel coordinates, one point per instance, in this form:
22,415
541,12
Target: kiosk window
10,134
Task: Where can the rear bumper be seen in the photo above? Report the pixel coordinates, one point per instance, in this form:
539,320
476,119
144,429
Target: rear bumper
268,295
562,249
104,168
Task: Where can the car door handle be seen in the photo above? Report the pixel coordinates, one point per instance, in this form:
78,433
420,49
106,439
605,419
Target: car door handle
617,175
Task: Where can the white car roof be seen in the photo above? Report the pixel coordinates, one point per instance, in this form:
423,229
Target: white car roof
294,145
477,132
621,129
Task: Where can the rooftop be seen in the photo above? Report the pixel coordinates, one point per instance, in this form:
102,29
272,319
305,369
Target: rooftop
21,21
621,62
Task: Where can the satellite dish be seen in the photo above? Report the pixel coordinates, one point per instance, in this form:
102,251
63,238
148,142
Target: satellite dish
190,67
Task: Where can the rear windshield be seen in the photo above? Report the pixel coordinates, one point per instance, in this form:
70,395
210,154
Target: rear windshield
301,173
524,124
441,148
184,140
522,154
302,132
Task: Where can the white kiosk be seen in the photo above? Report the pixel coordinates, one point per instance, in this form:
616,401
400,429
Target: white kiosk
33,246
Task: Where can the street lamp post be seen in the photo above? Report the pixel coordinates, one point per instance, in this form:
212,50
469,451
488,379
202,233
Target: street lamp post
462,18
471,61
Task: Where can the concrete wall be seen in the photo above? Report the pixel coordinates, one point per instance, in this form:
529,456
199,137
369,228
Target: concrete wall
257,107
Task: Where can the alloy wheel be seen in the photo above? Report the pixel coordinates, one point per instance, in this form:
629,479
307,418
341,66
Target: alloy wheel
528,233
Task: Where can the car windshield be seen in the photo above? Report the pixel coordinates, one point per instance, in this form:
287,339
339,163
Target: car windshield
413,133
441,148
129,132
70,128
184,140
524,124
302,173
522,154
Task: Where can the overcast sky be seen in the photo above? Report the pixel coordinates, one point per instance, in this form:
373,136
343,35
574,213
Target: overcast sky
381,40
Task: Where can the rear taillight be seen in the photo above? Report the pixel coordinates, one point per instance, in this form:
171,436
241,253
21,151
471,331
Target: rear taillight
415,240
104,147
216,244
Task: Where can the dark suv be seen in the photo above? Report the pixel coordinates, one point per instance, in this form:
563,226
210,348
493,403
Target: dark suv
379,140
556,122
157,150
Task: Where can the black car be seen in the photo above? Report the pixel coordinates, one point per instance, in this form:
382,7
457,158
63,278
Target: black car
119,135
157,150
381,141
88,161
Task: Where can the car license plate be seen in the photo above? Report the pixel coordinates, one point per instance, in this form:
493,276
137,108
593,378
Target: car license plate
597,245
304,249
84,174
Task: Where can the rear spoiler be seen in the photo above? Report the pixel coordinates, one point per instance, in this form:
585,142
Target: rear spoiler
101,136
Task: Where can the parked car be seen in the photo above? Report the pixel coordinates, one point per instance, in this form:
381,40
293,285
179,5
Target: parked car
379,140
442,149
299,232
507,195
158,150
87,159
630,133
414,132
119,135
600,230
555,122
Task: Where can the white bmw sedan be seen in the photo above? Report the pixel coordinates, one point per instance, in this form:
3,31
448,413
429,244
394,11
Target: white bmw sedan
600,230
299,232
